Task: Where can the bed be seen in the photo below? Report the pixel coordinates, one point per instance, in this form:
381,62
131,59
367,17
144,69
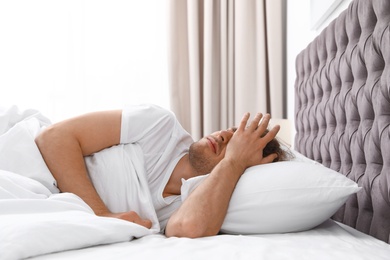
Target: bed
341,144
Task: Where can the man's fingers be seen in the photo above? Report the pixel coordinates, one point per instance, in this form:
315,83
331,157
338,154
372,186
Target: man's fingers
145,222
271,133
243,122
263,124
132,216
270,158
259,124
255,122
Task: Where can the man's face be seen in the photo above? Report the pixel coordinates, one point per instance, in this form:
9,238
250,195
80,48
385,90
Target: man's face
206,153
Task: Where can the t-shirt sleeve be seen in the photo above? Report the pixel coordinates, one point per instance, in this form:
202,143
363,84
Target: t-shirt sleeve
141,120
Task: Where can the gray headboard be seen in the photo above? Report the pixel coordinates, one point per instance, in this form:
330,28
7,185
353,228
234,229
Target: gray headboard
342,109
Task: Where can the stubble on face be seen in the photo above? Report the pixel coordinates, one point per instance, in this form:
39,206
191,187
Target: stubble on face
199,159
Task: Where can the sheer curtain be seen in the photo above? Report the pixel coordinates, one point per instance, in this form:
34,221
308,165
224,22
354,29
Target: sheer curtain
226,58
69,57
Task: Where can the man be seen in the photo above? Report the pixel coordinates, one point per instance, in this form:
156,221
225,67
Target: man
170,156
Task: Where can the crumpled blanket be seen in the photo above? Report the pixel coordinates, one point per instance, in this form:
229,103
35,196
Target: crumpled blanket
36,219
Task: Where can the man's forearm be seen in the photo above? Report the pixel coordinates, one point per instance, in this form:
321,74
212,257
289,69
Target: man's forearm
204,211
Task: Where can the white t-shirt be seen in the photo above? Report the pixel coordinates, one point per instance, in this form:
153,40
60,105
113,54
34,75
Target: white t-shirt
163,142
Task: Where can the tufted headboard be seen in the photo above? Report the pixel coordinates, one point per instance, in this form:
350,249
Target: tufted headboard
342,109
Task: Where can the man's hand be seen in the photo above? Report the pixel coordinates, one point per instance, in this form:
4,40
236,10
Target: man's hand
130,216
245,149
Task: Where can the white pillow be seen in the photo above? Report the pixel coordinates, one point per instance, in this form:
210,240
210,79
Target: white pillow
282,197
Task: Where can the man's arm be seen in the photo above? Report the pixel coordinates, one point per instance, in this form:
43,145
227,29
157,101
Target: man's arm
203,212
63,147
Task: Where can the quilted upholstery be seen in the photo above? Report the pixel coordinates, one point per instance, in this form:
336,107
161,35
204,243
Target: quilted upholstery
342,109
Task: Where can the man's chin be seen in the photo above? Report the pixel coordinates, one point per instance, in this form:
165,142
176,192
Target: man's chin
199,162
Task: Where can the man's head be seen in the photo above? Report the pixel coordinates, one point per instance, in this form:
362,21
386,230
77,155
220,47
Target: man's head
206,153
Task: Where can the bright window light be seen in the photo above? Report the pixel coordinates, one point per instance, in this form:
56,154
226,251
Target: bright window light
69,57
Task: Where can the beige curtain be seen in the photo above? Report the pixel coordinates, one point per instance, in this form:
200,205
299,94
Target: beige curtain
226,57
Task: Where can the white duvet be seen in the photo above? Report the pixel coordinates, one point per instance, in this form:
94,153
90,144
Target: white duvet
33,221
34,218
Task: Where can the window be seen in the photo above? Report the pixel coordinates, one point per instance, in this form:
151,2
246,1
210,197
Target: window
69,57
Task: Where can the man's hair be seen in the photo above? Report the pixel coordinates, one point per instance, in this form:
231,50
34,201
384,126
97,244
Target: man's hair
274,146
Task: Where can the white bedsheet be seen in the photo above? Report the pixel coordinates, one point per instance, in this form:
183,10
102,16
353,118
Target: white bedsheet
329,241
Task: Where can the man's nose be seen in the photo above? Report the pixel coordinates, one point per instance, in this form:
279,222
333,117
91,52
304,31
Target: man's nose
225,135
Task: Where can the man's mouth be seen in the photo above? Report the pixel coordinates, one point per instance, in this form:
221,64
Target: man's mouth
212,143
